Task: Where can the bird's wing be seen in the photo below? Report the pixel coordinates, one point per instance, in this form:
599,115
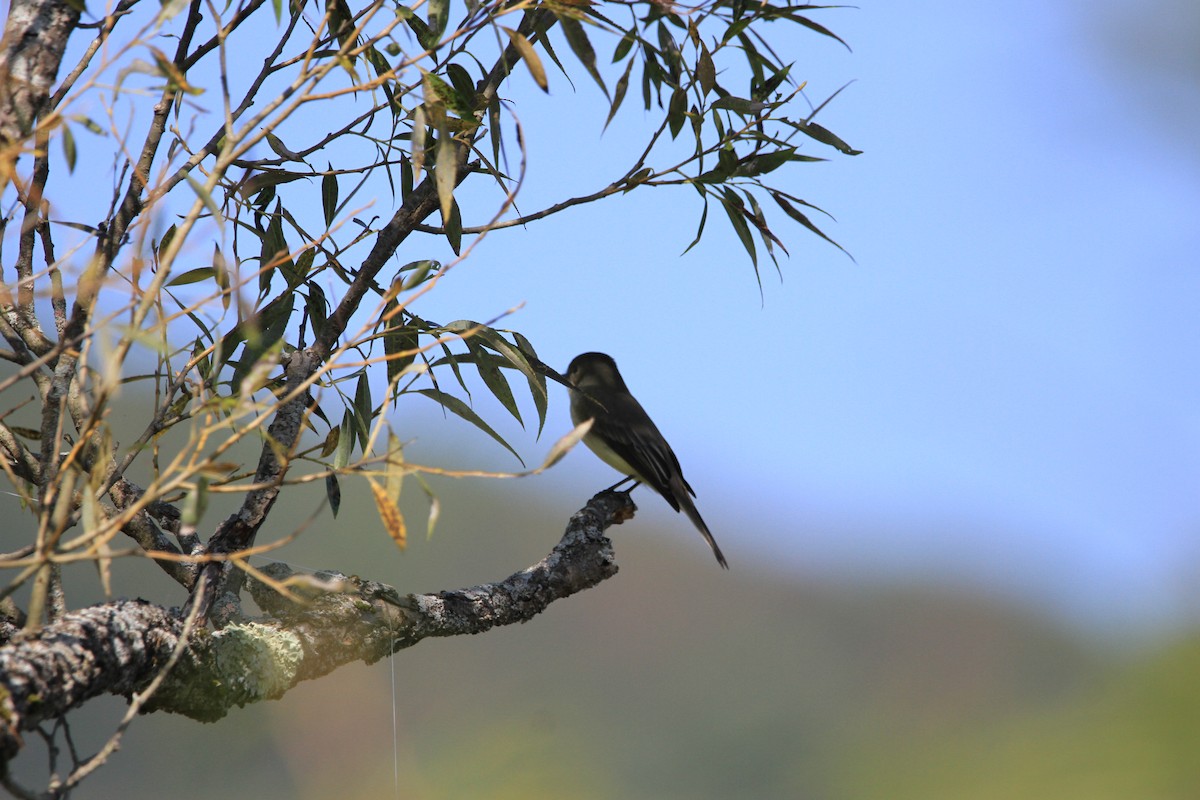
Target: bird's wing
640,444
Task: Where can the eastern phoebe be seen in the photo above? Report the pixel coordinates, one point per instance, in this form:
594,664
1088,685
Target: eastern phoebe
625,437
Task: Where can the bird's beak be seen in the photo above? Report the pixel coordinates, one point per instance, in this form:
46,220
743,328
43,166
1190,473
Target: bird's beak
542,369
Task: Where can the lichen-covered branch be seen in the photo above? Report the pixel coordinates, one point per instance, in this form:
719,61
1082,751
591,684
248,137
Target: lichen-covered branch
120,647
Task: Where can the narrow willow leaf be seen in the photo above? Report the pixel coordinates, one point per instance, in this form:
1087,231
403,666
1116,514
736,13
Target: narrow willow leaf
566,443
329,196
625,45
418,271
398,338
463,85
446,173
819,28
740,105
193,276
332,439
582,47
435,506
537,381
700,229
395,471
362,410
706,71
800,217
69,149
826,136
418,144
530,57
762,163
317,307
734,208
439,15
456,406
389,515
206,198
677,111
453,228
333,492
345,447
222,276
494,379
281,149
267,179
619,92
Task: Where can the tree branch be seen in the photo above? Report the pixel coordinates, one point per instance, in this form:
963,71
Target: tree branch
35,37
120,647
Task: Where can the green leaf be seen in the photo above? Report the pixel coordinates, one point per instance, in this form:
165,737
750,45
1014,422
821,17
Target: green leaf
346,439
464,87
825,136
439,16
625,45
261,333
205,198
420,271
742,106
800,217
735,209
537,381
582,47
274,252
398,337
406,175
453,228
329,196
677,111
222,275
494,380
619,92
193,276
438,91
281,149
700,229
333,492
427,38
457,406
816,26
330,445
706,71
317,306
760,164
265,180
362,410
68,145
764,91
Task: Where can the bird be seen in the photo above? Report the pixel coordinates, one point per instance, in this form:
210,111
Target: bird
625,438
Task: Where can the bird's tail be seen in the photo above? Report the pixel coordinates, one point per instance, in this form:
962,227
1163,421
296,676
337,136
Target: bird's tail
688,507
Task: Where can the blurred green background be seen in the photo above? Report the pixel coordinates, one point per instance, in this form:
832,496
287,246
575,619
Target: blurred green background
678,680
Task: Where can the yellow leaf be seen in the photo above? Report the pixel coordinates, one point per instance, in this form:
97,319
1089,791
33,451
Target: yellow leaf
389,515
530,57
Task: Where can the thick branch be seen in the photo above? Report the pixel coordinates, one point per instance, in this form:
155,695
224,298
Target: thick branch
119,647
35,36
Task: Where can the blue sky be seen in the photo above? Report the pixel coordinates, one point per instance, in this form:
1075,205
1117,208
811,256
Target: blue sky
1002,389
